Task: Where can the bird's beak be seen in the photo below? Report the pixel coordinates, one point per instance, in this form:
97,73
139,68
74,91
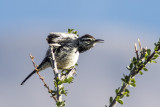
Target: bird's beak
99,41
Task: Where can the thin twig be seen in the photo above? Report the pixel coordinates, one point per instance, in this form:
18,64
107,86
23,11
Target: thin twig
136,51
42,78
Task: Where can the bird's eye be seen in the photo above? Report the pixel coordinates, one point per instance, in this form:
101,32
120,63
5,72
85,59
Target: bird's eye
87,40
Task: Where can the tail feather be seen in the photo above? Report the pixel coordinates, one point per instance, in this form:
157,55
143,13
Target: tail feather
44,64
28,77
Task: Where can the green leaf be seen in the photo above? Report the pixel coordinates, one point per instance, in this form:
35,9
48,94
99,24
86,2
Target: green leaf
155,44
123,80
126,90
70,30
76,64
122,95
156,56
131,65
117,91
75,32
126,93
140,72
120,101
146,56
148,51
145,69
128,67
68,80
127,79
134,61
156,48
156,52
133,80
60,82
154,61
55,83
133,84
58,103
63,91
111,100
117,98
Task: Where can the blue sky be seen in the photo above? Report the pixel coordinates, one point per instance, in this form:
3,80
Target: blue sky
25,24
142,13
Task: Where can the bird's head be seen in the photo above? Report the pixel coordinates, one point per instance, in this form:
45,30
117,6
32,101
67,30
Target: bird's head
87,41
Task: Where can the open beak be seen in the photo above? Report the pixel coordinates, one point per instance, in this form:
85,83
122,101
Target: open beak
99,41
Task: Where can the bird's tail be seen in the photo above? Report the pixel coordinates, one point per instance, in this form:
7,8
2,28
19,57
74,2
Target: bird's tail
28,77
44,64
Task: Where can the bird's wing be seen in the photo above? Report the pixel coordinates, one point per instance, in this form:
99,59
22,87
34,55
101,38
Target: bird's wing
61,37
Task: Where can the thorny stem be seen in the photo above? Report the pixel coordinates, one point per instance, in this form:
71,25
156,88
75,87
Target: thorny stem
42,78
132,74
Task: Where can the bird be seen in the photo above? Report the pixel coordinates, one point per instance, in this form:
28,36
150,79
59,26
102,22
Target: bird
67,52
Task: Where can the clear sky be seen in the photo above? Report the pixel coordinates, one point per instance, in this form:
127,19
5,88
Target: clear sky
24,25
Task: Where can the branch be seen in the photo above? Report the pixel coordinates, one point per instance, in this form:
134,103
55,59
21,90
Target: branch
138,63
42,78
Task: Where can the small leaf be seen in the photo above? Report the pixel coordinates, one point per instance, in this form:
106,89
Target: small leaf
76,64
68,80
55,83
148,51
117,90
69,30
145,69
133,84
120,101
156,48
131,65
60,82
126,90
156,56
133,80
111,100
122,95
123,80
58,103
154,61
126,93
75,32
117,98
72,30
128,67
134,61
140,72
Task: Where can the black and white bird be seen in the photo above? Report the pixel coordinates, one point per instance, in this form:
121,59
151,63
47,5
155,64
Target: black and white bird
67,53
